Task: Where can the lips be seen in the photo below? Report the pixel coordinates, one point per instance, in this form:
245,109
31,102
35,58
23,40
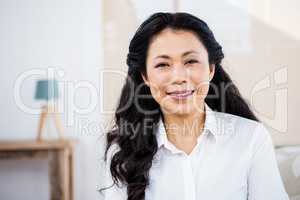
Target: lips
180,94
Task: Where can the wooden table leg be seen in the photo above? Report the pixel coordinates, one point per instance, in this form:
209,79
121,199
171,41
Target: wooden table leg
56,188
71,174
65,172
59,175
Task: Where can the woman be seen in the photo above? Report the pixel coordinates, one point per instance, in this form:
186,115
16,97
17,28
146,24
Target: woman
182,130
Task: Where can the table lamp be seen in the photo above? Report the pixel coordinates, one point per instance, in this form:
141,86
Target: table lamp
47,90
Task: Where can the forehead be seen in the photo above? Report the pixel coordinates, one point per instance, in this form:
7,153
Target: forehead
174,42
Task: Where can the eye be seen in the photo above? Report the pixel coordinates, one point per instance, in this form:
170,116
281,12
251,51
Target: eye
191,61
161,65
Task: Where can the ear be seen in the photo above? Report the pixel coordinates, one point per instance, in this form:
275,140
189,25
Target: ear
211,71
145,79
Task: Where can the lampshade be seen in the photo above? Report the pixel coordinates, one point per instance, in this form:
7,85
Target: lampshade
46,90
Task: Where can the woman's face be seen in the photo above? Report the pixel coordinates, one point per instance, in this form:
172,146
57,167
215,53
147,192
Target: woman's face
178,71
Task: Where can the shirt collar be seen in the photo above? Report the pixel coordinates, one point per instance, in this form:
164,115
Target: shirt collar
210,127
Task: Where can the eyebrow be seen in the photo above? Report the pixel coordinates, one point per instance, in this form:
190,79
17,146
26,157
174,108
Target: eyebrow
183,55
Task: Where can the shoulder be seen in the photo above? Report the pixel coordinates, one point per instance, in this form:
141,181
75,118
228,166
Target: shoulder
243,132
236,121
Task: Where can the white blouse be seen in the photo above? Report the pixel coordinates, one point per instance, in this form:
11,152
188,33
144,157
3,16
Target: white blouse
233,159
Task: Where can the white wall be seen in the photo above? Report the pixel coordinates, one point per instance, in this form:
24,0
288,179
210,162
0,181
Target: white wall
36,34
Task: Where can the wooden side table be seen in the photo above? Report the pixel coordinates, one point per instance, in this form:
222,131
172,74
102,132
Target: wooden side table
60,155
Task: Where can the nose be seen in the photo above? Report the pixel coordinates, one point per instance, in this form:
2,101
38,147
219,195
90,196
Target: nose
179,74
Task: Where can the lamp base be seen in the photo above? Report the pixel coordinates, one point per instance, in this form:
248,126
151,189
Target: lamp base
48,111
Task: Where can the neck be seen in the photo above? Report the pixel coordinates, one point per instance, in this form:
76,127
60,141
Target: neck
183,130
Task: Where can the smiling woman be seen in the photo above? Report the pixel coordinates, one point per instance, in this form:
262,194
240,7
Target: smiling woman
182,129
177,66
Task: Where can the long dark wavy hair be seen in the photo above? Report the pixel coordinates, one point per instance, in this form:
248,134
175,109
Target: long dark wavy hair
130,165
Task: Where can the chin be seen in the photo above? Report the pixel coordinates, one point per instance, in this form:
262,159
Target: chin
180,110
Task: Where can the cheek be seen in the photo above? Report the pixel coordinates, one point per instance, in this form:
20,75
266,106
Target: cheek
157,92
201,82
202,91
157,86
